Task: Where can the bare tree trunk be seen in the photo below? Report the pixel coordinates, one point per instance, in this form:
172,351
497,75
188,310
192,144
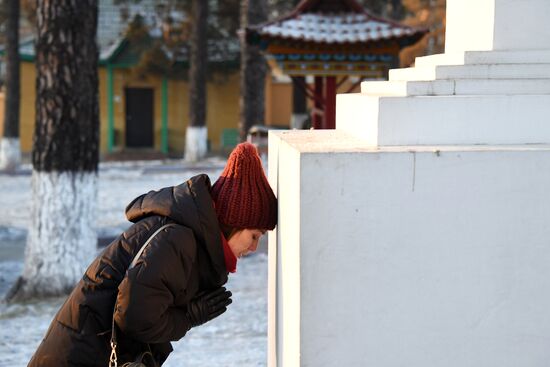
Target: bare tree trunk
299,103
62,238
196,135
10,152
253,70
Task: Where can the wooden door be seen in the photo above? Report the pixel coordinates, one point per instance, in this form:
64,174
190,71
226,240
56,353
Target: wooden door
139,118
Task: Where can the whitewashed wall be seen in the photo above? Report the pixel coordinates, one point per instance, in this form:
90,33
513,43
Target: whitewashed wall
391,251
408,256
497,25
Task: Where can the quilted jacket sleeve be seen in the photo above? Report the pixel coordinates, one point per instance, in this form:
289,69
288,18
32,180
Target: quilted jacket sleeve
145,308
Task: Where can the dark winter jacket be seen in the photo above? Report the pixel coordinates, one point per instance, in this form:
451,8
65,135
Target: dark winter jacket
151,299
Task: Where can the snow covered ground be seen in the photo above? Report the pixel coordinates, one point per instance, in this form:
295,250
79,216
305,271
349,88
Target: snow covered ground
237,338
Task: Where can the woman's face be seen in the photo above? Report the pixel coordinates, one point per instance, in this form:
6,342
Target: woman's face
245,241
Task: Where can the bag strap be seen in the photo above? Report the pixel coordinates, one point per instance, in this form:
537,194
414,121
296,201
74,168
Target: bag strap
113,358
136,258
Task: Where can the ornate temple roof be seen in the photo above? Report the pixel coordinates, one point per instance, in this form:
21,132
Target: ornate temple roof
334,28
334,22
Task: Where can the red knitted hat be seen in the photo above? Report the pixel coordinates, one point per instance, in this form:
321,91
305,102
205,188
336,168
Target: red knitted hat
242,195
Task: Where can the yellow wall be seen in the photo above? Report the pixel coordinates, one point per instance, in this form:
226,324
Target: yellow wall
222,108
123,78
2,98
102,76
27,106
178,114
278,104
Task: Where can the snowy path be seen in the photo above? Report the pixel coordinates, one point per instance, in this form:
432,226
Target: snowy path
237,338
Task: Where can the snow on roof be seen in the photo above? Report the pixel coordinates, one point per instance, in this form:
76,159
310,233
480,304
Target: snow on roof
334,28
218,51
112,24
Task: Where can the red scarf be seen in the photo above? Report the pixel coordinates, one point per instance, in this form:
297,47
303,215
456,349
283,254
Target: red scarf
230,258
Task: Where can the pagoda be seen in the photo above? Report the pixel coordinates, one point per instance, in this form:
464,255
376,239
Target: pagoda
331,40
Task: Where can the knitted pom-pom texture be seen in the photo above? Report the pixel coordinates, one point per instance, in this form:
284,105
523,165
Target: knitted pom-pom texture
242,195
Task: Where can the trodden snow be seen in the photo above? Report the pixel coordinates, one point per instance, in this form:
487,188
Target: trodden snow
236,338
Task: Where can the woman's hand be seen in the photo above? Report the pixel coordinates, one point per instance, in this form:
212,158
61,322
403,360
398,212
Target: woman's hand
208,305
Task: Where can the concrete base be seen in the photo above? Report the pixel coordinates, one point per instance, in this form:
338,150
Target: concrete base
408,256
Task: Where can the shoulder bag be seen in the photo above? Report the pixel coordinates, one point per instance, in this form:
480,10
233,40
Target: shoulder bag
143,357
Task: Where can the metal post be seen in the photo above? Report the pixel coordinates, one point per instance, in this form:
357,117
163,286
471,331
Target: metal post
164,117
110,110
330,103
317,113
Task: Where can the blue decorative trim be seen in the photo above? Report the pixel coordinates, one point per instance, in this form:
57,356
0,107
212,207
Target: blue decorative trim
334,57
294,57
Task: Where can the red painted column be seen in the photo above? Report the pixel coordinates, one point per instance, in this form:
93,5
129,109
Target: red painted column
330,103
316,114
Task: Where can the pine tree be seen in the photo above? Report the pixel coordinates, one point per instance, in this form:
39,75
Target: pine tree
253,69
10,151
196,135
62,238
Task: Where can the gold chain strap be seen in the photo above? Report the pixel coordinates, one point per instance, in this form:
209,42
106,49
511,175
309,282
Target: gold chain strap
112,359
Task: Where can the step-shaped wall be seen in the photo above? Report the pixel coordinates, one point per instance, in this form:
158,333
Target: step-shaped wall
473,97
486,57
457,87
445,120
491,71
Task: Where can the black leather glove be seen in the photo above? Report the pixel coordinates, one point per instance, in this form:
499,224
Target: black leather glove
207,306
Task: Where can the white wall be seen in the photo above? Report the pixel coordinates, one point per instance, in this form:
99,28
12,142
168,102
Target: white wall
522,24
390,252
409,256
284,309
446,120
467,27
479,25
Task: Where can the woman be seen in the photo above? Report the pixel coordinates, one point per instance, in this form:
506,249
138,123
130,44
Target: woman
177,282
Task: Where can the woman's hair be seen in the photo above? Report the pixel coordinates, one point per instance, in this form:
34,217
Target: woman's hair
228,231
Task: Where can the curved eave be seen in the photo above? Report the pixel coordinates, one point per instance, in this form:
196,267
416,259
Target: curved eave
305,5
253,34
109,55
27,57
105,57
102,62
403,41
